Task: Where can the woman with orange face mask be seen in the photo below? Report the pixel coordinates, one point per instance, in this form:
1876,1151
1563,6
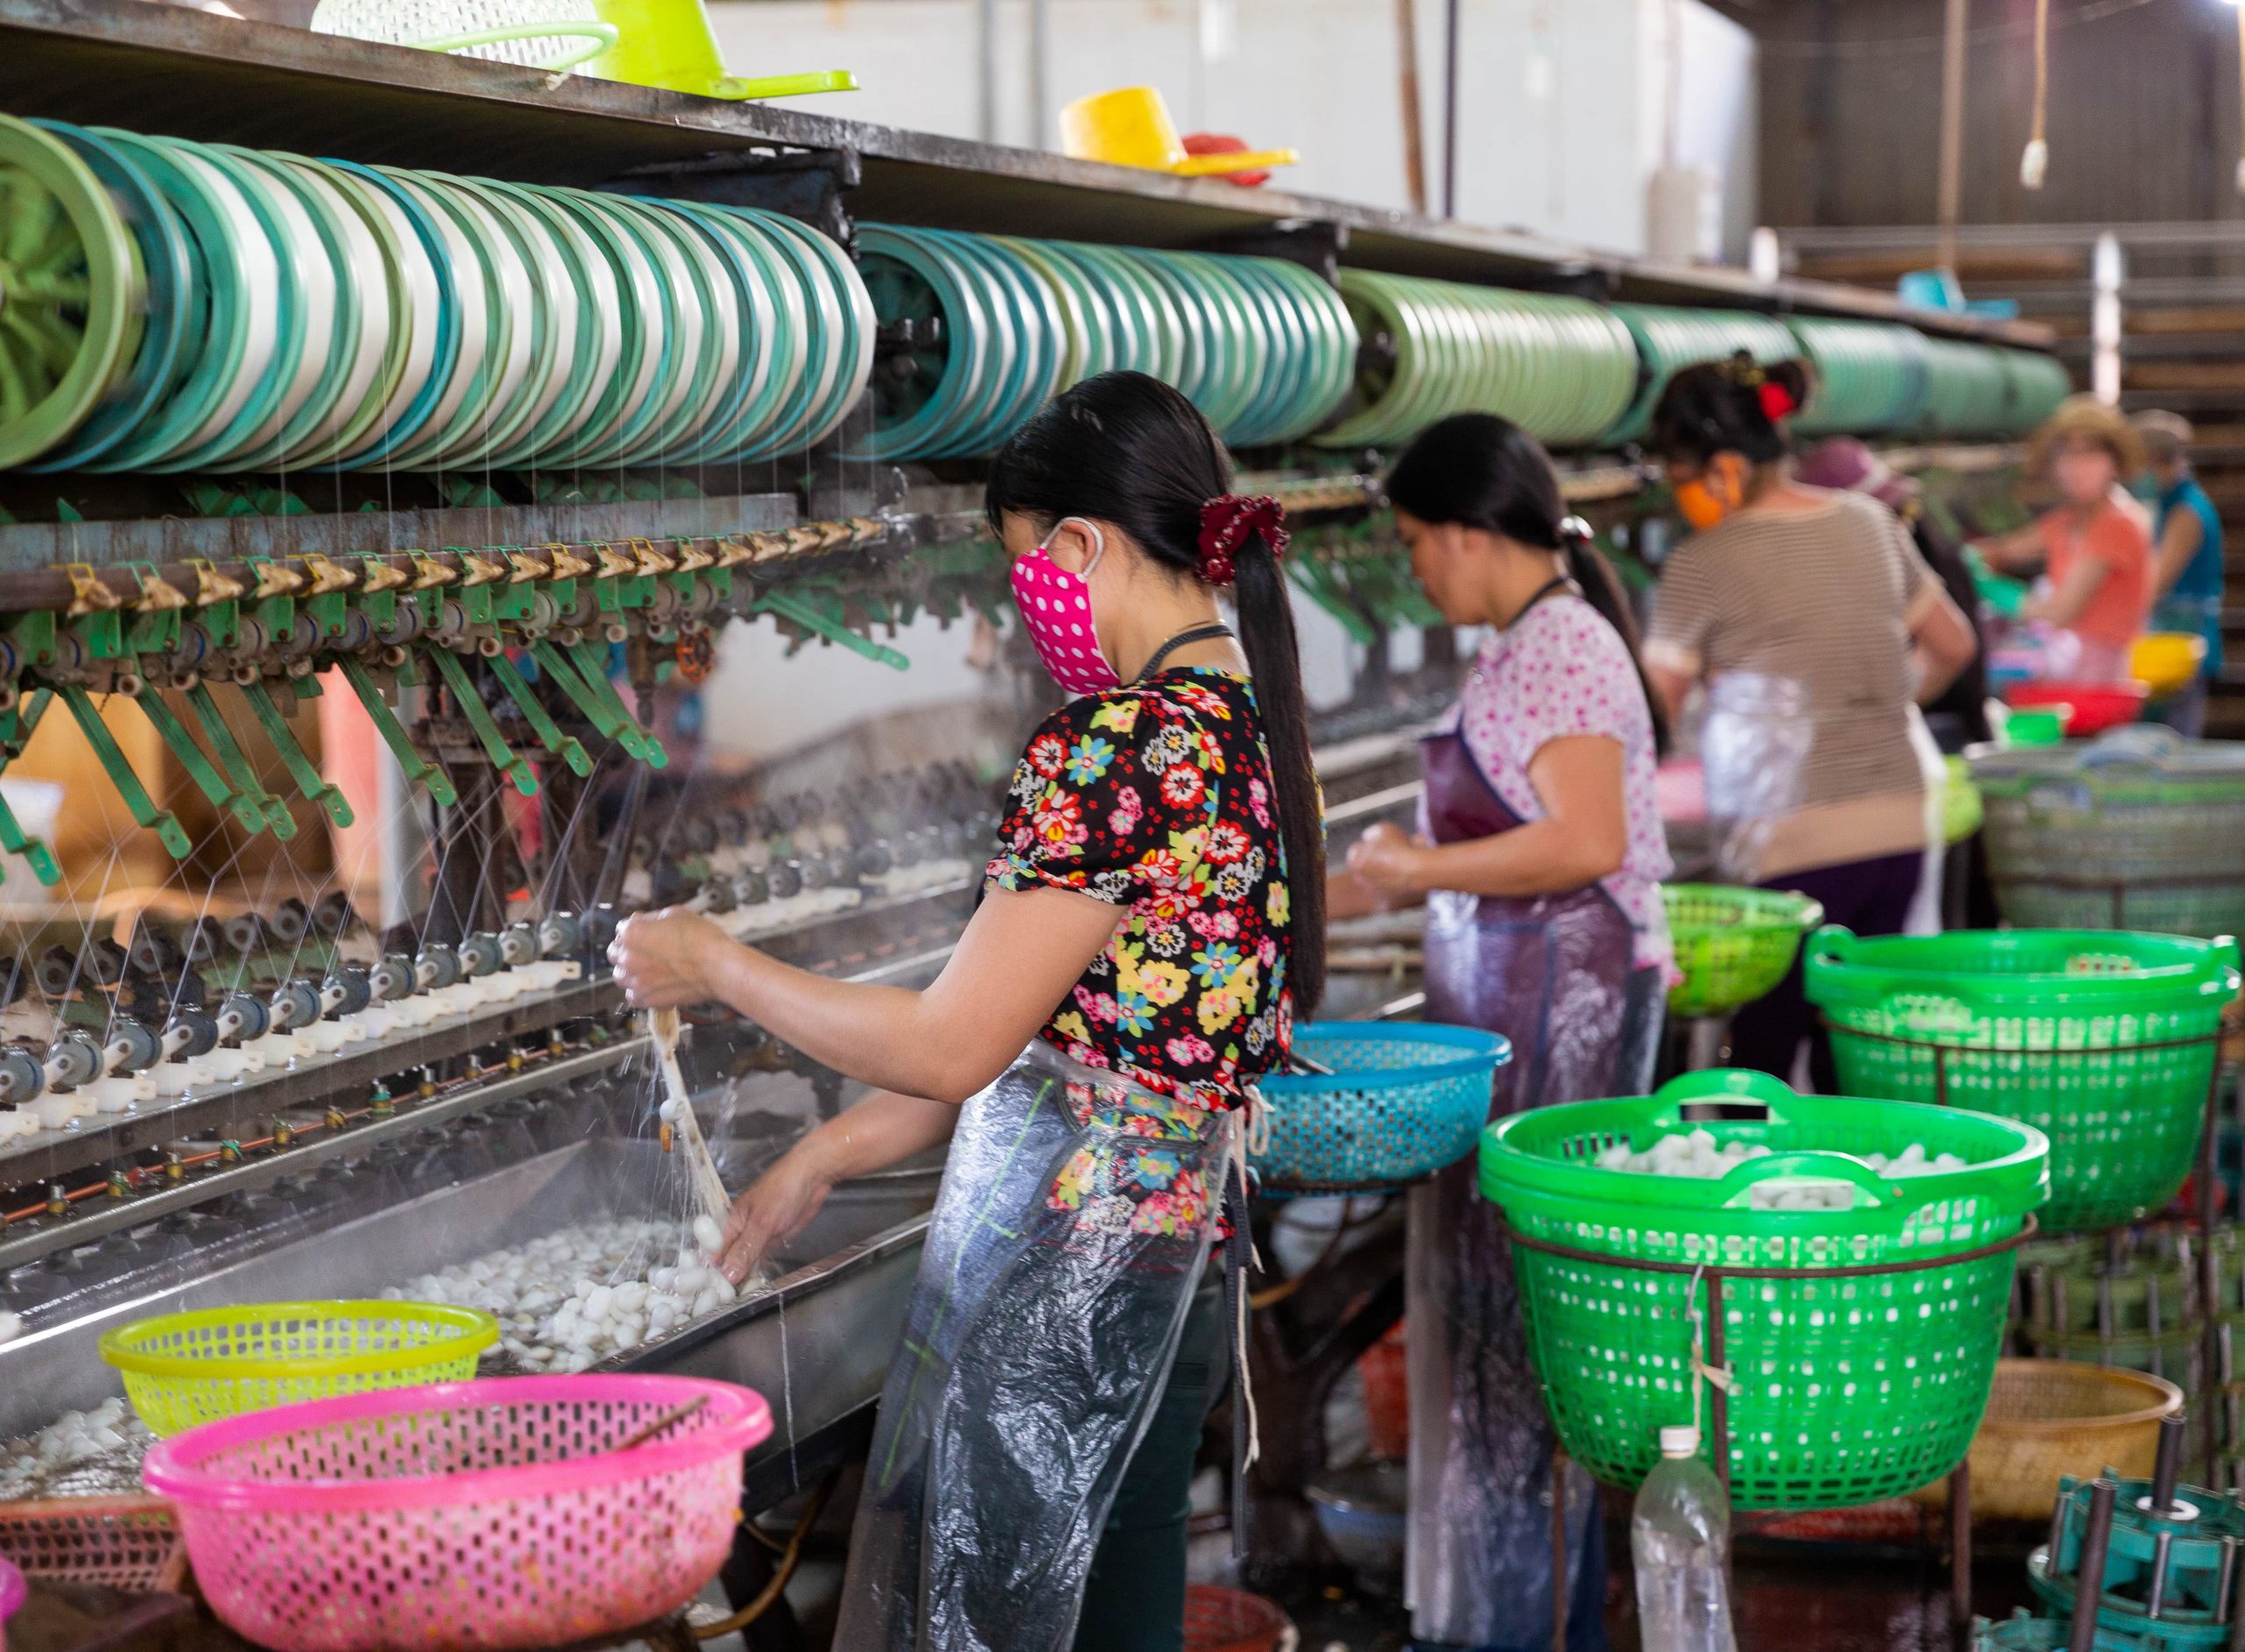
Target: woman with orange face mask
2095,547
1811,623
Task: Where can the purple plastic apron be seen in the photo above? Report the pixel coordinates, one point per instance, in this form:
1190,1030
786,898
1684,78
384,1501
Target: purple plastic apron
1556,975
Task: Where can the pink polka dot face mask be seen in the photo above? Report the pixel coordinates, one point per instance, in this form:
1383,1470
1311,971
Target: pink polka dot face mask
1056,606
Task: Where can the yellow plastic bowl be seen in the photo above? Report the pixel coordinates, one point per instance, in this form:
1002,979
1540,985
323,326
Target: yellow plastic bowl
2166,661
183,1369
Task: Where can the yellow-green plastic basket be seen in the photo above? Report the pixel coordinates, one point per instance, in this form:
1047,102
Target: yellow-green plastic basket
1732,945
183,1369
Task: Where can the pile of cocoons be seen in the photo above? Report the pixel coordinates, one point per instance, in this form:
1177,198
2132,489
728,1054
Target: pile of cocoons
81,1454
578,1296
1698,1153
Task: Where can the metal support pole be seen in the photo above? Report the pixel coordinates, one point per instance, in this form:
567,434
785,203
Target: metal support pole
1415,157
2107,271
1450,109
1718,1400
1952,134
1960,1545
986,67
1558,1548
2089,1575
1040,74
2209,1277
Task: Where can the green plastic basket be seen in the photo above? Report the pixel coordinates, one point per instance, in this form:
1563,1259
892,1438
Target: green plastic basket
1732,945
2103,1040
2136,829
1849,1384
1961,810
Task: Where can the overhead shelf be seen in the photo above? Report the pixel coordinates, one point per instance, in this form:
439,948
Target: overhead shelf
191,74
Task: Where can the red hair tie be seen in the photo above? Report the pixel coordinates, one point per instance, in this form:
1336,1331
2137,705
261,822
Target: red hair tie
1225,523
1777,401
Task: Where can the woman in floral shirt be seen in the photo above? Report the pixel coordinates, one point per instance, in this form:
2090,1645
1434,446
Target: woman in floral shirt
1152,923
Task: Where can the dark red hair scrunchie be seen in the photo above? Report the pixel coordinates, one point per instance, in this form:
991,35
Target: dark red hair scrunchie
1225,523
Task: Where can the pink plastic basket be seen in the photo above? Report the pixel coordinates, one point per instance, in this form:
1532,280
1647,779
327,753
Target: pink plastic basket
495,1513
121,1542
13,1593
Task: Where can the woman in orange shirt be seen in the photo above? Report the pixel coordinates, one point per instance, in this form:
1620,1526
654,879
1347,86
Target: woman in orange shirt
2094,545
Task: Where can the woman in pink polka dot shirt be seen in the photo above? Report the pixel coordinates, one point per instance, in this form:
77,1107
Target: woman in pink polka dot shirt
1539,857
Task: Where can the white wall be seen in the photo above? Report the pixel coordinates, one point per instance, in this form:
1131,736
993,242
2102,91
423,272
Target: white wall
1562,103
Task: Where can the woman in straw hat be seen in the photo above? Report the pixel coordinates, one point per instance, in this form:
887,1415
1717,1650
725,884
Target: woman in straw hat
2094,546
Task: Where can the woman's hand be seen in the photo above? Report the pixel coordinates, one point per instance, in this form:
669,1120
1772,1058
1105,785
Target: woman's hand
661,959
1387,860
776,1208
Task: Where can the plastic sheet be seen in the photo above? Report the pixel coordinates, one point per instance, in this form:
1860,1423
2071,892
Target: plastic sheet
1925,906
1042,1328
1754,749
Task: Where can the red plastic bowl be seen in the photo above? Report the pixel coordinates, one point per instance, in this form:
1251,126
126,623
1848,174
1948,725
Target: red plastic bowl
2092,708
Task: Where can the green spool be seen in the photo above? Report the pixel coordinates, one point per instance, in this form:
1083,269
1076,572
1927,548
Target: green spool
1561,368
1669,340
1870,376
1967,394
71,292
167,263
2038,384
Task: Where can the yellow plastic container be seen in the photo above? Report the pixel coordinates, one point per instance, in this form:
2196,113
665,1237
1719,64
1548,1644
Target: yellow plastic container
183,1369
668,44
1131,127
2166,661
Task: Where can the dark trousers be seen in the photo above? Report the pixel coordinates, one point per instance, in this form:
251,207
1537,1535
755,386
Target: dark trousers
1133,1599
1871,897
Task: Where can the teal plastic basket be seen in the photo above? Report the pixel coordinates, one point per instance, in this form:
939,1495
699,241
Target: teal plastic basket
1403,1100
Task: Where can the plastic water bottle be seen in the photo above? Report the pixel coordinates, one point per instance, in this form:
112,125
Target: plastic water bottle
1680,1539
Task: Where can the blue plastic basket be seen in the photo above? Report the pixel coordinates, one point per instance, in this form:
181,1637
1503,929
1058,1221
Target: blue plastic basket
1404,1100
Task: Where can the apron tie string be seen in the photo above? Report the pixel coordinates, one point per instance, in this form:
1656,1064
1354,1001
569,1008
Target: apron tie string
1250,1135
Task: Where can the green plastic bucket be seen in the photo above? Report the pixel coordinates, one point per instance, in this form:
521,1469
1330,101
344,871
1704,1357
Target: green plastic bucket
1861,1375
1732,945
2104,1040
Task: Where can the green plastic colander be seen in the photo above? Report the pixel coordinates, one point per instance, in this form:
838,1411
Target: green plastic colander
2103,1040
1732,945
1861,1377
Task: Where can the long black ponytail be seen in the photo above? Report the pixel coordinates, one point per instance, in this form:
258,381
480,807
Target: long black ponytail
1480,471
1127,449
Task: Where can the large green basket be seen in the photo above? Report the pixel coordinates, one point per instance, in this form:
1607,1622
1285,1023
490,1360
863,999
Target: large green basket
1732,945
2103,1040
2136,829
1862,1343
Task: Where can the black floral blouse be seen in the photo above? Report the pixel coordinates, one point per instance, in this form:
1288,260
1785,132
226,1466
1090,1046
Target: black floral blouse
1158,797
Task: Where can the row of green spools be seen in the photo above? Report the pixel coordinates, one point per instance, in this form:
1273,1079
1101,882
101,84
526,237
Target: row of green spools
173,306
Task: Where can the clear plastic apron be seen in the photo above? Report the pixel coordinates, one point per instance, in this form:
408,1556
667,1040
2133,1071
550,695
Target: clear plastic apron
1042,1329
1754,751
1555,975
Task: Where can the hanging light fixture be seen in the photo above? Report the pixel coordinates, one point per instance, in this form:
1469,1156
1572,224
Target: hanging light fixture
2036,162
